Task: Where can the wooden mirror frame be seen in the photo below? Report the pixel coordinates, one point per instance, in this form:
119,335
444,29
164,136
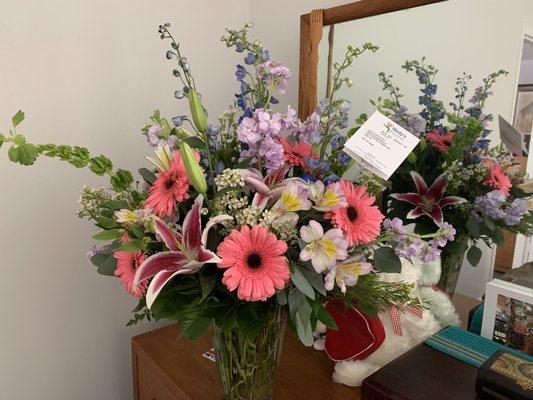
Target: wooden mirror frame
311,26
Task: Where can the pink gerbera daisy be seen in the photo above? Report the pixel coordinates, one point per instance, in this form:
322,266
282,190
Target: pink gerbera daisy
440,141
297,153
127,264
496,177
361,219
171,186
254,263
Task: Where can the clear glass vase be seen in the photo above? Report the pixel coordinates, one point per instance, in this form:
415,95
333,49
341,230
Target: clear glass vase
452,259
247,367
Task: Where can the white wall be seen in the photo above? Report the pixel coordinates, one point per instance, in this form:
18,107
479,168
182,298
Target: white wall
87,73
526,72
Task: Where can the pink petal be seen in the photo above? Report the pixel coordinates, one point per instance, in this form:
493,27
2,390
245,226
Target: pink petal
169,237
417,212
211,222
437,187
192,230
420,184
159,281
412,198
164,261
436,214
451,200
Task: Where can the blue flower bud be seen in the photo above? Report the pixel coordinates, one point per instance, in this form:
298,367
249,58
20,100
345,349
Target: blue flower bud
168,55
177,121
273,100
178,94
249,59
239,48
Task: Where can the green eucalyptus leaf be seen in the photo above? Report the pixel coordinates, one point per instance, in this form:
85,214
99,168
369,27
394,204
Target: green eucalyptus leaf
300,281
295,298
489,222
195,142
472,225
315,279
105,261
110,234
385,260
474,255
282,297
148,176
131,246
325,317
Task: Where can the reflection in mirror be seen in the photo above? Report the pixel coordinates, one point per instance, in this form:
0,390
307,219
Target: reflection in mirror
476,37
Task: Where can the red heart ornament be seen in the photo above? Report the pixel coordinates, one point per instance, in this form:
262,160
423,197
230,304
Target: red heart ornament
357,335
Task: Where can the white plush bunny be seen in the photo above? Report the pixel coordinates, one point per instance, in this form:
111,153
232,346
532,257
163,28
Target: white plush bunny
413,327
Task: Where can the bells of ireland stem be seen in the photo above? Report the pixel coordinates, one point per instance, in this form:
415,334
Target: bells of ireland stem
194,170
197,111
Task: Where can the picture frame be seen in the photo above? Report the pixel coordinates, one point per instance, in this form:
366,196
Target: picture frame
508,314
523,111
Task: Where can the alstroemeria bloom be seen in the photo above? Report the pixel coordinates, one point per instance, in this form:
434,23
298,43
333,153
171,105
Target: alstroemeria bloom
293,198
327,198
128,217
186,255
323,249
347,272
428,201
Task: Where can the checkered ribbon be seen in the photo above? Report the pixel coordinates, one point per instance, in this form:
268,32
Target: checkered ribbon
397,322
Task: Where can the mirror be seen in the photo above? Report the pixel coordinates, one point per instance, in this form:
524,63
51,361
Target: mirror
476,37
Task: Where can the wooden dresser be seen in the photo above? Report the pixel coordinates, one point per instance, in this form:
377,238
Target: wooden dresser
167,368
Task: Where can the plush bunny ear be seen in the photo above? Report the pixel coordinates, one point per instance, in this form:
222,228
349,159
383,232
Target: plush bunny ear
357,335
430,273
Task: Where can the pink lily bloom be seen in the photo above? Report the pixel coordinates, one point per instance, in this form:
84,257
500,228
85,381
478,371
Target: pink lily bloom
186,255
428,201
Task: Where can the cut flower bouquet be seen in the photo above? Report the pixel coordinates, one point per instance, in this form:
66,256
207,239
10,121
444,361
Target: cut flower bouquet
453,175
236,222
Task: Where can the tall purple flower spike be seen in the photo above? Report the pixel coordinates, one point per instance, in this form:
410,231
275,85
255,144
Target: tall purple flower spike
428,201
186,256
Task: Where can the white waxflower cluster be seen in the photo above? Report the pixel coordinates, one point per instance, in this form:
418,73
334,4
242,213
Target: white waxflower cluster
248,216
229,178
374,184
460,175
91,199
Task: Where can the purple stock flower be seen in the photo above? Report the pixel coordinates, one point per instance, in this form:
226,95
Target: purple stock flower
274,74
395,225
514,212
490,204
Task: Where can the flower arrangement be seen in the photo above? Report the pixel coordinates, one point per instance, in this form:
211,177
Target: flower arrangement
453,173
238,219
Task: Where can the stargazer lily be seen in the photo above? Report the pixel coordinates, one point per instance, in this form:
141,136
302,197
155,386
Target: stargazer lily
186,255
428,201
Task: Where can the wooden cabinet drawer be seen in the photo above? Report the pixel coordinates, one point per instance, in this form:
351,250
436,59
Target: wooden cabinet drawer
150,385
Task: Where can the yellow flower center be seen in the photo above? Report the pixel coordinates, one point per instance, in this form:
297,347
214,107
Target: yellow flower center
291,202
329,247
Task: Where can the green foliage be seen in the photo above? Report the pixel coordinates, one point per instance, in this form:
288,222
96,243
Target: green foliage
464,138
17,118
386,260
148,176
372,295
121,180
140,313
104,260
301,282
111,234
473,255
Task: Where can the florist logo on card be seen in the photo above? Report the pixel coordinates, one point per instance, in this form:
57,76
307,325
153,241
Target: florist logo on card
390,127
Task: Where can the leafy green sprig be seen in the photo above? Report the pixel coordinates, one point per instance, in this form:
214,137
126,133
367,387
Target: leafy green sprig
25,153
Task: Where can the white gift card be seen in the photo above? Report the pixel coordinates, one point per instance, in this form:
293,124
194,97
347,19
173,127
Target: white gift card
380,145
